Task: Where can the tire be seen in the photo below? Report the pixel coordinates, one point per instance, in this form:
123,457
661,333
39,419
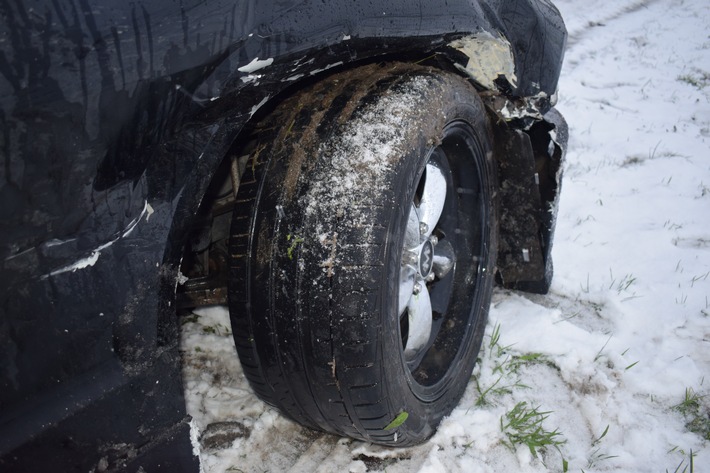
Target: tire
349,315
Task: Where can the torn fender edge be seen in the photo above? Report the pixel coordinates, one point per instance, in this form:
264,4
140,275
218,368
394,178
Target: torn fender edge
520,112
530,155
489,60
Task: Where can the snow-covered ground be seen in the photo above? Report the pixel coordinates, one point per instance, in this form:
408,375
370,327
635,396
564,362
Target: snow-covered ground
617,353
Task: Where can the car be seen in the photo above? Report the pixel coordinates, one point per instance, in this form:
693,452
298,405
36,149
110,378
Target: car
352,178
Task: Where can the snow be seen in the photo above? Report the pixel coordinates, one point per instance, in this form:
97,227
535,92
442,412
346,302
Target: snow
255,65
369,143
625,329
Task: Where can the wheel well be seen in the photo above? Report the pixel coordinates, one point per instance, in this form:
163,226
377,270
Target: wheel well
203,278
203,270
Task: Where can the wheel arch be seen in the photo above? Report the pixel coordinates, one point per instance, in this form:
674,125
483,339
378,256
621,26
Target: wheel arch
520,148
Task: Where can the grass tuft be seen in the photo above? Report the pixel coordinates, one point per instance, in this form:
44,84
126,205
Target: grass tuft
495,337
685,467
696,413
189,319
599,353
217,329
698,78
599,439
495,343
508,370
496,389
631,365
523,425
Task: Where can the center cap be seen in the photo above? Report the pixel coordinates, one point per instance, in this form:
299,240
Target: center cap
426,259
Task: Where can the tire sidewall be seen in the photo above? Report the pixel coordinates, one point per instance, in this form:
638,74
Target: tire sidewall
427,406
325,346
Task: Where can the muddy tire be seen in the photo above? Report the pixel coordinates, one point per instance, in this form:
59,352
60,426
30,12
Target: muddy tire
362,252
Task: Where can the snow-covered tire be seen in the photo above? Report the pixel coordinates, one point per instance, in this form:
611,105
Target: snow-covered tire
362,252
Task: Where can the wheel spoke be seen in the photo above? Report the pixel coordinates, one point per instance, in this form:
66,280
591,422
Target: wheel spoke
406,287
420,321
433,198
444,258
412,235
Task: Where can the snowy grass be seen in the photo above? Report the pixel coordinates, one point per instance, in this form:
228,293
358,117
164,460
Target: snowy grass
523,425
610,368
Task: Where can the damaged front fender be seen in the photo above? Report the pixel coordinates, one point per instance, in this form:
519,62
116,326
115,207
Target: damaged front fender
530,144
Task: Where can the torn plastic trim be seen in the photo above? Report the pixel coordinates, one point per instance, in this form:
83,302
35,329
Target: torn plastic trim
490,60
519,112
490,63
530,167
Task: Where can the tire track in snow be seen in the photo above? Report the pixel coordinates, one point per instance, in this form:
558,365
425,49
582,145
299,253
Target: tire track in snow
577,32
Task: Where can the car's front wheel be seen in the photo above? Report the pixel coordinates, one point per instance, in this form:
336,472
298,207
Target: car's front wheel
363,252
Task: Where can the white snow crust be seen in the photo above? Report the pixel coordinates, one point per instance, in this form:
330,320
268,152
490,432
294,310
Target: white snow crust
625,330
256,64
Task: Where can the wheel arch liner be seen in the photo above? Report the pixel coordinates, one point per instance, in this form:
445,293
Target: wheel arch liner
530,164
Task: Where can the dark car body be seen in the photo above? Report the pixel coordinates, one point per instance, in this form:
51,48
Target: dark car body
115,117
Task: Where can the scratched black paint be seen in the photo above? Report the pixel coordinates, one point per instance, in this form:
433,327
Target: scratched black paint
114,117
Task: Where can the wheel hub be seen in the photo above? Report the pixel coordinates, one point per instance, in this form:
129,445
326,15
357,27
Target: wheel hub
426,259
